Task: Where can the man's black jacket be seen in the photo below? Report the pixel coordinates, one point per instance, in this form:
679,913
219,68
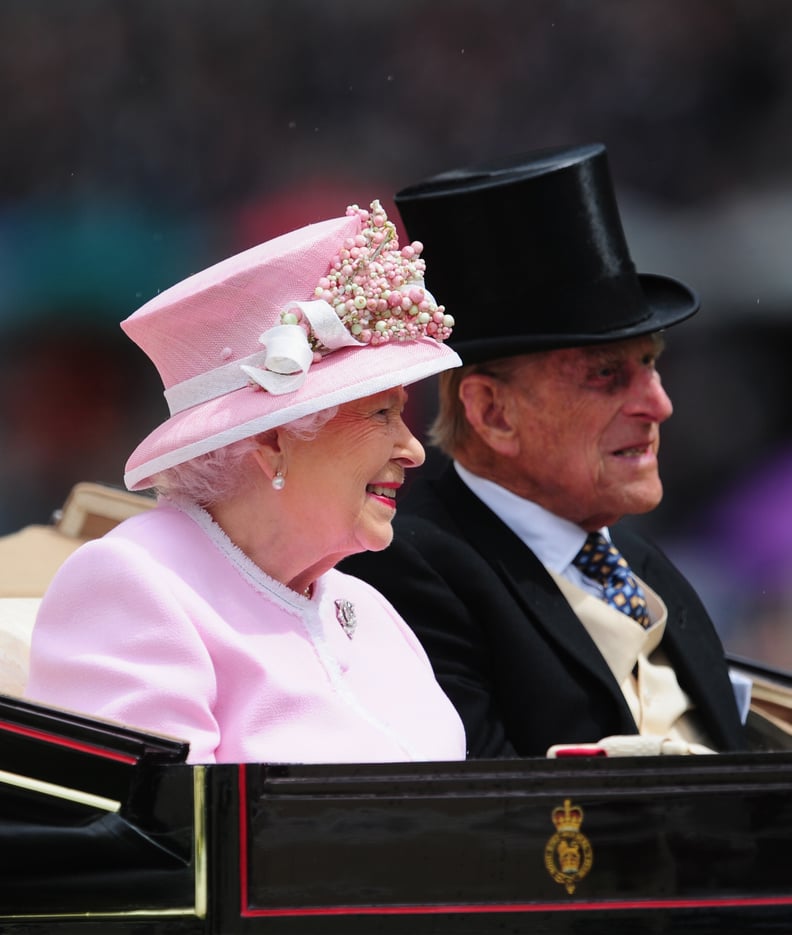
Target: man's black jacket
507,648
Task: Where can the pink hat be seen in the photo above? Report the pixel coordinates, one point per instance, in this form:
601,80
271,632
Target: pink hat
331,312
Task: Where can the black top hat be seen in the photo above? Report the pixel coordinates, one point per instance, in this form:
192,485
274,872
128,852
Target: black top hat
530,253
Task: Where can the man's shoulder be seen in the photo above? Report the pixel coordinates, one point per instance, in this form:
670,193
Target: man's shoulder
650,562
441,512
442,498
424,503
640,548
432,529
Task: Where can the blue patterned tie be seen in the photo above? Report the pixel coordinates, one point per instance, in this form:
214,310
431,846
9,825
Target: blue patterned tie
604,563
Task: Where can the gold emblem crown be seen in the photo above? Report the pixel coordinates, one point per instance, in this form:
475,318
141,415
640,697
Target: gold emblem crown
568,818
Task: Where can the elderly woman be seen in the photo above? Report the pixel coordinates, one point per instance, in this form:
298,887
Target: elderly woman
218,616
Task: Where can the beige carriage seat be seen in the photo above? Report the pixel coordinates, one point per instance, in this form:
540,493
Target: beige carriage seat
29,559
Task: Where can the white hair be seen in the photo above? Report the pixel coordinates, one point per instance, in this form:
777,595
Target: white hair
214,476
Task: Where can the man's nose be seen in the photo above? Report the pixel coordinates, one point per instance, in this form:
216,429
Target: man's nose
650,399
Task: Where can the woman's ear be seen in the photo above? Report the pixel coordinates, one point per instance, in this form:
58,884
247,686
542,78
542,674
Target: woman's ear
489,409
269,454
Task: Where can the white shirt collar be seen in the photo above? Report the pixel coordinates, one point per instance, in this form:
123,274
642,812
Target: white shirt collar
554,541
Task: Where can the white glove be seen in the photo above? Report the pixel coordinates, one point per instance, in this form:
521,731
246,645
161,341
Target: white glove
629,745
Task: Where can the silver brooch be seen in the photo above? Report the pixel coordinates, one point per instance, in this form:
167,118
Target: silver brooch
345,612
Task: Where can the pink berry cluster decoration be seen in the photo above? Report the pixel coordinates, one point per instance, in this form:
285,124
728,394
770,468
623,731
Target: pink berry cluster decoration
376,288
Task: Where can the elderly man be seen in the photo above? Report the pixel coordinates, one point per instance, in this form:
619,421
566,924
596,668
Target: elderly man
545,621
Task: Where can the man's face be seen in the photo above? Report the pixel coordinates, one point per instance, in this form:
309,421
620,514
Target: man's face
588,424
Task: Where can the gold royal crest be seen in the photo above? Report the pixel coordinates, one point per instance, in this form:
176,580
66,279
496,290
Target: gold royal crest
568,854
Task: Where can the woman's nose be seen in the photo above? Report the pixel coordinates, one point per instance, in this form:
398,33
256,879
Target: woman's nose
409,451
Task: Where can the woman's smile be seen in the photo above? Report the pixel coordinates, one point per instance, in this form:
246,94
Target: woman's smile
385,493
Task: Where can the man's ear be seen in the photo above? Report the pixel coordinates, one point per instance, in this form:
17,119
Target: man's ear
489,409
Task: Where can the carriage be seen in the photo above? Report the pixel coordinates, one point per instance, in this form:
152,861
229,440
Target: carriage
104,829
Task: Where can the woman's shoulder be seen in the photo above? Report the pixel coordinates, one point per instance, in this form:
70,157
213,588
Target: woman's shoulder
162,517
158,536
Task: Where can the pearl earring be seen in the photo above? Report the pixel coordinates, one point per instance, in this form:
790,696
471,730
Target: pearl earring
278,481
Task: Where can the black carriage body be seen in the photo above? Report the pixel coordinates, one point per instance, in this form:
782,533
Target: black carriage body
108,831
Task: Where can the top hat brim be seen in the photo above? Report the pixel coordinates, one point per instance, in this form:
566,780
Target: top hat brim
667,302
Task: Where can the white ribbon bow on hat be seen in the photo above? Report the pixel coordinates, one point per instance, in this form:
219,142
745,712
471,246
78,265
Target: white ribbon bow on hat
288,353
281,368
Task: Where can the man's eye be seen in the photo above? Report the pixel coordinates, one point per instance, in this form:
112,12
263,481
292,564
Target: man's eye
608,377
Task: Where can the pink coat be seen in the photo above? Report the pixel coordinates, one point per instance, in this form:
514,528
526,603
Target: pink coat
164,625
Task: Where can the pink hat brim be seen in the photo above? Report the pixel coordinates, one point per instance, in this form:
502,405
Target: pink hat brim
340,377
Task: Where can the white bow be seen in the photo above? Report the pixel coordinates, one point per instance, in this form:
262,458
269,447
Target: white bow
288,353
280,368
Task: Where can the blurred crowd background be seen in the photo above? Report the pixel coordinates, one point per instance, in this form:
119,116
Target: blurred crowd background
143,140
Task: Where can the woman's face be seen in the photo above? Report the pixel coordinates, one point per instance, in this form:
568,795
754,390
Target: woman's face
342,484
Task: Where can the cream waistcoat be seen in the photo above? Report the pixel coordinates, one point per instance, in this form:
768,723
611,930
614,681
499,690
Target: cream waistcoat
657,703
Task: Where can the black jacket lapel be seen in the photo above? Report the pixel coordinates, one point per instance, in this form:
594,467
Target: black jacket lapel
525,577
692,648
